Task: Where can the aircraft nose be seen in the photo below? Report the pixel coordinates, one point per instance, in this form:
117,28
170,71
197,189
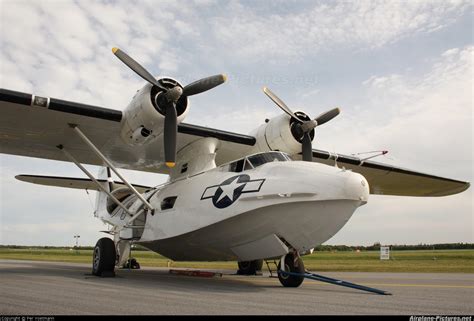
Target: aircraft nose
357,187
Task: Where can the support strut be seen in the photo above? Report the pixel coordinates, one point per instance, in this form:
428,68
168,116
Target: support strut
82,168
321,278
109,164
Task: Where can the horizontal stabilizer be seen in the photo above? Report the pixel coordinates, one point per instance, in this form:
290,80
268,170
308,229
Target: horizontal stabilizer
72,182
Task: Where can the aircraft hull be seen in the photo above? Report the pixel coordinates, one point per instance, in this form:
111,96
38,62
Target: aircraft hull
304,225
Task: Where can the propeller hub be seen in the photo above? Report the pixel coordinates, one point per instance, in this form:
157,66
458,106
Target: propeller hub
309,125
297,128
160,98
174,94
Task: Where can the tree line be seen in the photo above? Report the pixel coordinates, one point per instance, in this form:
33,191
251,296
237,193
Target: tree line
330,248
398,247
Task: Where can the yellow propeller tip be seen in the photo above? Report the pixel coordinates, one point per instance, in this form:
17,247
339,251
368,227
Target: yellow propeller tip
170,164
225,77
114,49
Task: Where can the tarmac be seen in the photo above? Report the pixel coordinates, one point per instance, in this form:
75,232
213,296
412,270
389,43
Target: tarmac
48,288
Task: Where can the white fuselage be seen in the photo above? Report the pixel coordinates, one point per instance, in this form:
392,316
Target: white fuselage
254,214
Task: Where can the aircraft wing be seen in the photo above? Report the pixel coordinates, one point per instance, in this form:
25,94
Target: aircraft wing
34,126
391,180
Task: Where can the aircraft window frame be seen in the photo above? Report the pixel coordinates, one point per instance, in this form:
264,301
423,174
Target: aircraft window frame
168,203
244,164
236,166
248,165
262,158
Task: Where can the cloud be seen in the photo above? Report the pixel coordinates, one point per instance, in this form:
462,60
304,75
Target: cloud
326,27
410,113
422,115
425,121
63,49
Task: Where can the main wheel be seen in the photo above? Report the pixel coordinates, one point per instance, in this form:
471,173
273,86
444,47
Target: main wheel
294,266
249,267
103,261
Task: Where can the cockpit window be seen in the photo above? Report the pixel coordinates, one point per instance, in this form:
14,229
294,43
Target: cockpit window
236,166
260,159
248,165
254,161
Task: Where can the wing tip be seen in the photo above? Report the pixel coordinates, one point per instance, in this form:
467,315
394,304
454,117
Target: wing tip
21,177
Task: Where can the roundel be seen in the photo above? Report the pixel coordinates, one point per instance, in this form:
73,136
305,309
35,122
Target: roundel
229,191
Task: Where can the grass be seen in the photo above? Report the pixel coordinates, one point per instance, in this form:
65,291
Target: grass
459,261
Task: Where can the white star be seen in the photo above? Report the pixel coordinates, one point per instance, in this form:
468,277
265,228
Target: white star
228,190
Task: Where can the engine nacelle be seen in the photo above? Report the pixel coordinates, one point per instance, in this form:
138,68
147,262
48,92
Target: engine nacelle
143,119
279,133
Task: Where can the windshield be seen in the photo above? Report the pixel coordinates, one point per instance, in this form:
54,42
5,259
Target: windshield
254,161
260,159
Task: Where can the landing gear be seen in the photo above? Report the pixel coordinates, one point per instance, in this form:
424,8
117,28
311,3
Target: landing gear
132,264
103,262
250,267
294,264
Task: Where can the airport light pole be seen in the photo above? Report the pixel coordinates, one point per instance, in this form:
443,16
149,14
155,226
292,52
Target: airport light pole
77,240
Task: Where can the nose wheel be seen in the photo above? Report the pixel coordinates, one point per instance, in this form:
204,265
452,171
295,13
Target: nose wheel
293,264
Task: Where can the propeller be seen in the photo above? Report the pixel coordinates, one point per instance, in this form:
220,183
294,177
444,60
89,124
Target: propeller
303,128
169,98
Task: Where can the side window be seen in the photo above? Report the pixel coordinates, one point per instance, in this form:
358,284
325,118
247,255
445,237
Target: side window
248,165
184,168
236,166
168,203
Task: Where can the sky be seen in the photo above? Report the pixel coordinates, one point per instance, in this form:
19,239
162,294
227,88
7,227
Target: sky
400,71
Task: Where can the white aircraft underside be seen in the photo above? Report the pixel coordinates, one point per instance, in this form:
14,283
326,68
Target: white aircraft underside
229,196
304,210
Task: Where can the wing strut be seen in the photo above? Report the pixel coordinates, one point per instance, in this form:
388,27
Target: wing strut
109,164
102,188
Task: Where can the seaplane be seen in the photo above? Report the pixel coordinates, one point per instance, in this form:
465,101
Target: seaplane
229,197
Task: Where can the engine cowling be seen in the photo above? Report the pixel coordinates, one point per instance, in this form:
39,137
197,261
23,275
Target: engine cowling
280,133
143,118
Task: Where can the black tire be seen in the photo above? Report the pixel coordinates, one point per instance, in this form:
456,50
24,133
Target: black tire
135,264
249,267
104,257
131,264
291,281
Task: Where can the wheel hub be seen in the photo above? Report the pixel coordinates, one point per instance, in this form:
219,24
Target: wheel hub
96,257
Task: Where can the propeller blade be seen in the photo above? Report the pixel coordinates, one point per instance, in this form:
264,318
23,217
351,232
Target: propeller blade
307,148
169,135
280,103
204,84
327,116
135,66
